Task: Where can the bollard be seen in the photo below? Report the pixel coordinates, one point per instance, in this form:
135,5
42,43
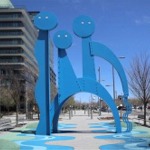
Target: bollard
69,114
121,114
71,111
74,111
91,113
88,111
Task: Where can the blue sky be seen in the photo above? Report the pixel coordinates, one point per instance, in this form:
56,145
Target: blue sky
122,25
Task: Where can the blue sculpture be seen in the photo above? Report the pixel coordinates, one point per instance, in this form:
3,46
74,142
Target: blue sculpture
68,83
44,22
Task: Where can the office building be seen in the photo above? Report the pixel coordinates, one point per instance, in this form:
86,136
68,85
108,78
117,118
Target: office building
17,40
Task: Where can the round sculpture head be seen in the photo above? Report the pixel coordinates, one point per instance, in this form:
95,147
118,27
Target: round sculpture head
45,21
83,26
62,39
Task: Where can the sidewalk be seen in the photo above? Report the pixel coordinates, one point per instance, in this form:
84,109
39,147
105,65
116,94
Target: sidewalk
79,133
84,135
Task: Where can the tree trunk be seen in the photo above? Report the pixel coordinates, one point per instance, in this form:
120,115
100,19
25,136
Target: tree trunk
145,104
8,110
17,112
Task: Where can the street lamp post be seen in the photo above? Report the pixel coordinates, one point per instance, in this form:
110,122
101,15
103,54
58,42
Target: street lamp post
91,111
92,105
69,112
113,78
89,106
99,97
80,103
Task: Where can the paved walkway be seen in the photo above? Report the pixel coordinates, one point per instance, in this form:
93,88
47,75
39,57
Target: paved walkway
84,135
79,133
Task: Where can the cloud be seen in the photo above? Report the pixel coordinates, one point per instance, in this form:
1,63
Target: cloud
143,20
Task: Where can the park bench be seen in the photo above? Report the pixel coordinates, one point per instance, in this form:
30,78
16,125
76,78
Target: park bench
139,119
5,124
21,120
140,116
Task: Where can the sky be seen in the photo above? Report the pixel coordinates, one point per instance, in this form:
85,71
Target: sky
121,25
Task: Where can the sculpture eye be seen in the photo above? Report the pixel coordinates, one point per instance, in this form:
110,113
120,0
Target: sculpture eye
46,17
89,22
58,36
82,22
39,17
66,35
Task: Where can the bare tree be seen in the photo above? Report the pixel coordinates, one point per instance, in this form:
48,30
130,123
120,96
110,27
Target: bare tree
5,98
140,79
68,103
19,86
14,87
31,102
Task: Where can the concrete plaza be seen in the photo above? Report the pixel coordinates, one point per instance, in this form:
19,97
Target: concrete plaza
79,133
83,133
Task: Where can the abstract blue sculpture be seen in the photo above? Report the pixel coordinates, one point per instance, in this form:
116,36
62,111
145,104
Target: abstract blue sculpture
44,22
68,83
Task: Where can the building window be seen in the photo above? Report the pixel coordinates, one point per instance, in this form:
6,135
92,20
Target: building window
11,15
11,24
2,72
11,50
10,32
11,41
12,59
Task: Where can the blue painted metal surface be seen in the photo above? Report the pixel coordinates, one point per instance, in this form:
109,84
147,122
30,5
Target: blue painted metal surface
68,83
66,74
44,22
98,49
83,27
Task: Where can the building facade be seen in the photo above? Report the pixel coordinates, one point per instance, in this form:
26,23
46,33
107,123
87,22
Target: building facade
52,73
17,40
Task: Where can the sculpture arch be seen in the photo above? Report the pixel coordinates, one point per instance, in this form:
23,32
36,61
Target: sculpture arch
68,83
105,96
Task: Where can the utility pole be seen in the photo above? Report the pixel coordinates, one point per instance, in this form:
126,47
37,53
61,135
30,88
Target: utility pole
99,99
113,78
